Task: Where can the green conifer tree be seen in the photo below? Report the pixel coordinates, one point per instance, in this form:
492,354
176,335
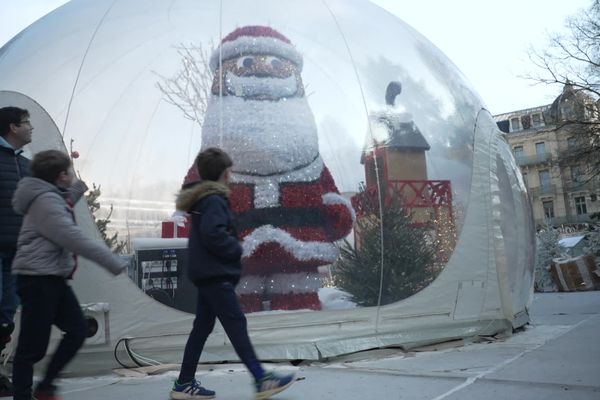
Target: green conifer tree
113,242
547,249
408,258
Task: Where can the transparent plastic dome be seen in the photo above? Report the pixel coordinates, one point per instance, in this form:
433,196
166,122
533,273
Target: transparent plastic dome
345,125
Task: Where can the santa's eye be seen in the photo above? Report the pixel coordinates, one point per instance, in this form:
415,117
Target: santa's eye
274,62
245,62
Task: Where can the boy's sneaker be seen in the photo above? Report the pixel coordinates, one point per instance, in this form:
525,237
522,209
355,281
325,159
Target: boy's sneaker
46,393
190,390
38,395
273,383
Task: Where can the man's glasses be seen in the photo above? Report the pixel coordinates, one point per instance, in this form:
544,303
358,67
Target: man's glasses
28,122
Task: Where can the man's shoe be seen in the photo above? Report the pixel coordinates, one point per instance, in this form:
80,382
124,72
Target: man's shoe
190,390
4,340
6,389
273,383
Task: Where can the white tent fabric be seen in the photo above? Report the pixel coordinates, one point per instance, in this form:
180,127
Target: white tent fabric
97,90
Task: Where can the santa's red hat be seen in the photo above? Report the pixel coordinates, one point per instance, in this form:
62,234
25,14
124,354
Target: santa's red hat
255,40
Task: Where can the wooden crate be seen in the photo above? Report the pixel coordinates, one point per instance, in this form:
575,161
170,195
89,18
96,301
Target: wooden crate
576,274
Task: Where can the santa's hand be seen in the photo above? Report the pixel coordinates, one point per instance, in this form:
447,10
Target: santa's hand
340,214
335,198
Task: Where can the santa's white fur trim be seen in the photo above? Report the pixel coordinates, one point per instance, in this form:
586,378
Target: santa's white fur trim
250,284
310,173
302,251
300,282
295,283
266,188
334,198
245,45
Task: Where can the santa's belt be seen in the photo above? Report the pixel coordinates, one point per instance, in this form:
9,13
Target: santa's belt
281,217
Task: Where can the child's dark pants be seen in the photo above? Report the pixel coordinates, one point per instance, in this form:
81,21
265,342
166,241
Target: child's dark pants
218,300
45,301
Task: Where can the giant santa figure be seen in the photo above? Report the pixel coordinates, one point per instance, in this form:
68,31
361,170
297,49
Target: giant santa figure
288,208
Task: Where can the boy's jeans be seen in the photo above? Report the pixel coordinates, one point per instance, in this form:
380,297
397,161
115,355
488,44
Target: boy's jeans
218,300
45,301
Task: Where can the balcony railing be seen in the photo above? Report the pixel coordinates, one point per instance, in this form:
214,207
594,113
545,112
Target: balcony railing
571,219
590,185
532,160
543,190
410,194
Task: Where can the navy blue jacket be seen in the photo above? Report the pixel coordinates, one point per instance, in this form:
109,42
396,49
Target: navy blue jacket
215,251
13,167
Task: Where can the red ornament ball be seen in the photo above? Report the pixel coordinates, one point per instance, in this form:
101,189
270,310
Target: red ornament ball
75,154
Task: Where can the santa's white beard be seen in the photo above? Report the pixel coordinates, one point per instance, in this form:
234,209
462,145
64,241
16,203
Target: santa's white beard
262,137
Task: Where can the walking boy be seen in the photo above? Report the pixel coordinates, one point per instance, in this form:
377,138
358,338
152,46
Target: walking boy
214,266
43,263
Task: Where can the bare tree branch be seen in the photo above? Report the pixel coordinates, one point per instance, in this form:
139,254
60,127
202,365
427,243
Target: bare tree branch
572,60
190,88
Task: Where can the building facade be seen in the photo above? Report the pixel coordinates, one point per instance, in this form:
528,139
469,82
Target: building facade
562,190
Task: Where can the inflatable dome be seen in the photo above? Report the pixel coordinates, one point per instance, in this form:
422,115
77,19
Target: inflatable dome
377,202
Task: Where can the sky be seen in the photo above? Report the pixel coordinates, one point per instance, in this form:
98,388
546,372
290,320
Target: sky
487,40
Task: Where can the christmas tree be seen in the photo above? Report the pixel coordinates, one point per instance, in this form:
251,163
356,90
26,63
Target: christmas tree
547,249
408,259
113,241
593,240
593,237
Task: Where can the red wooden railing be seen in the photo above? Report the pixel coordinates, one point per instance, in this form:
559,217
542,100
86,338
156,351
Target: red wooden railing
407,194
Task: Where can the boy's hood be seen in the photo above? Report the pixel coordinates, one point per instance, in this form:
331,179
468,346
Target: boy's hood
188,197
28,190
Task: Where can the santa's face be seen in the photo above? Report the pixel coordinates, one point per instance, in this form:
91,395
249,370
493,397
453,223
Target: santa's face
261,117
259,77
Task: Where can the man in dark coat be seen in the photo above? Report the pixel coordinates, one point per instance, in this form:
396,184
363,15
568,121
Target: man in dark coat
15,132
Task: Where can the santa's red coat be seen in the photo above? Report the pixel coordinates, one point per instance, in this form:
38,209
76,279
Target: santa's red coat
296,232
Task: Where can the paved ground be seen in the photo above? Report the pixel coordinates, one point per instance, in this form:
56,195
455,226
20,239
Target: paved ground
556,357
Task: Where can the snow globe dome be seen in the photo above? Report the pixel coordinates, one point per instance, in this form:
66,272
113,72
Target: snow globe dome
369,181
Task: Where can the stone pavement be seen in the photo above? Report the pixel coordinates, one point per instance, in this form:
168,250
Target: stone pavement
557,356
